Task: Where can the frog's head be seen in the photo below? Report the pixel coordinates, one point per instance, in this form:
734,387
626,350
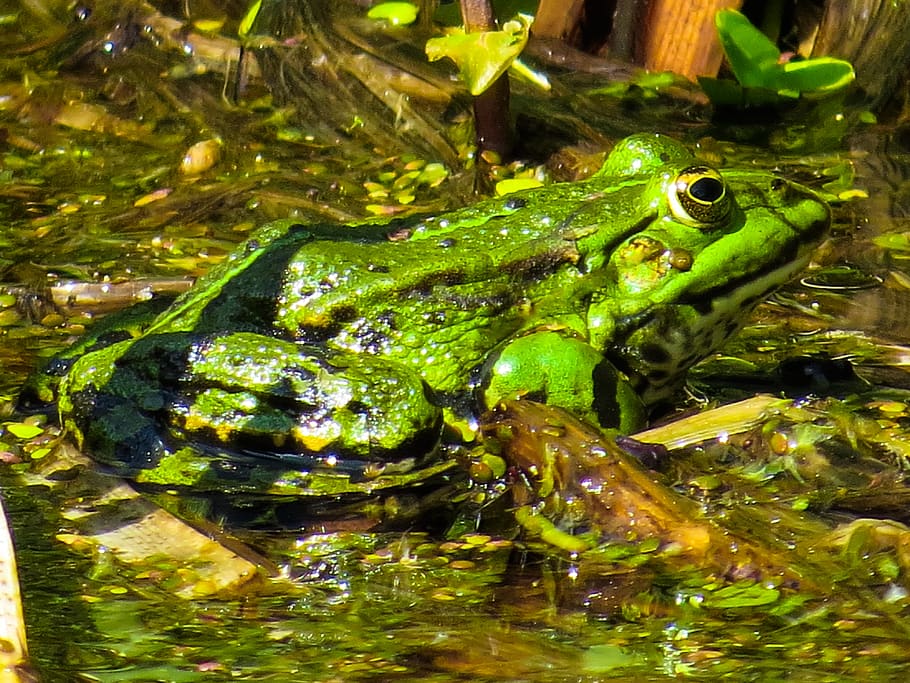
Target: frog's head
707,247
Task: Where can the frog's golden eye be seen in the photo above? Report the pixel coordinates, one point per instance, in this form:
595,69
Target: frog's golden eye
699,197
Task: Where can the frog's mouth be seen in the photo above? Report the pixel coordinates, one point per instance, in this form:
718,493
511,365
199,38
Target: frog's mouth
658,345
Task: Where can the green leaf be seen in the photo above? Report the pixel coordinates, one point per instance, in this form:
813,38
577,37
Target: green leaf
432,174
396,13
893,241
484,56
23,431
510,185
742,595
819,74
246,24
755,62
751,54
605,657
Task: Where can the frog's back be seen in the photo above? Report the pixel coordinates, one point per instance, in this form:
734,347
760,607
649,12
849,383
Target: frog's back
440,294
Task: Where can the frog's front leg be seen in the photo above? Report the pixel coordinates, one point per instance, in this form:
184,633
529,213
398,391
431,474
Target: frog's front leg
556,368
249,395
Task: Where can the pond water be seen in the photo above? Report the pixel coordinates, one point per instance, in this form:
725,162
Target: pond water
134,155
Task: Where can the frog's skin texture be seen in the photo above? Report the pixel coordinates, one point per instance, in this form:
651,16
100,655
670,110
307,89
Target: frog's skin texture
318,358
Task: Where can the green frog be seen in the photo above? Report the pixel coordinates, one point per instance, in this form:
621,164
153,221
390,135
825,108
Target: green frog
324,359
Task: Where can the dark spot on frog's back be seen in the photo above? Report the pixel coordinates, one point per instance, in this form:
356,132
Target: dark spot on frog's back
317,334
439,277
158,358
336,318
344,313
492,304
295,375
388,320
538,266
359,408
248,302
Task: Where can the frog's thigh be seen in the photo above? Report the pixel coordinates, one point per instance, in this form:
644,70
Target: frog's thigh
567,372
258,390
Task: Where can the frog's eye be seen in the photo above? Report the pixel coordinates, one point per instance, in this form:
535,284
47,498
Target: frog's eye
699,197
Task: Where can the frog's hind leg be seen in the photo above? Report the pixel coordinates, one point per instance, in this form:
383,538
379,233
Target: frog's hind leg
183,401
304,404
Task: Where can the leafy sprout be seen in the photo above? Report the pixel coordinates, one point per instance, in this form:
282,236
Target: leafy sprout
483,56
246,24
763,75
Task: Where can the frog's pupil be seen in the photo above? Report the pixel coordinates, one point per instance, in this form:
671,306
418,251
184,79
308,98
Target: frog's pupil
707,189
